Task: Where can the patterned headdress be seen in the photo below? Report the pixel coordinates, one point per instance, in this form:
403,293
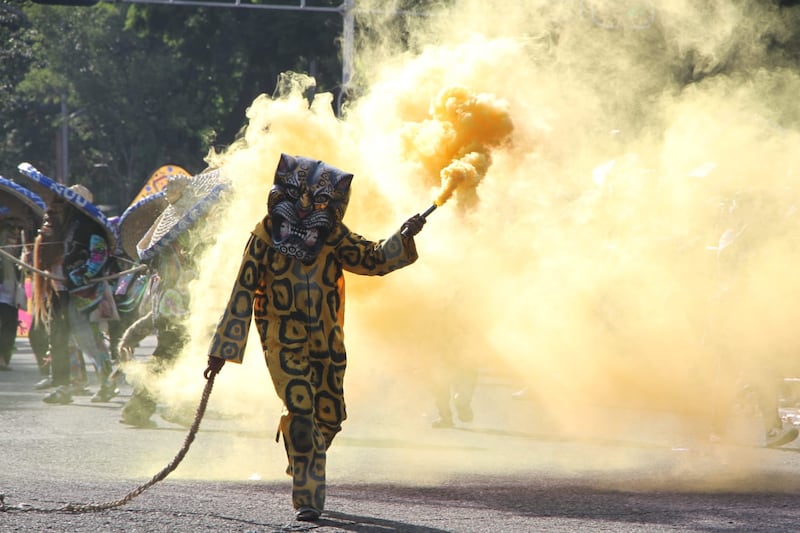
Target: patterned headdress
77,196
137,219
188,200
20,205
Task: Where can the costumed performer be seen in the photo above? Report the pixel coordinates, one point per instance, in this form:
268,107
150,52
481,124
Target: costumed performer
169,243
73,246
21,212
290,281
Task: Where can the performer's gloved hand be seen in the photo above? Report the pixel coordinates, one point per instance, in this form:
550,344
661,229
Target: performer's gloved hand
125,352
412,226
214,366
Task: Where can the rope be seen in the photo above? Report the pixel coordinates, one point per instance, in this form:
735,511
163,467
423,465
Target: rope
93,507
46,274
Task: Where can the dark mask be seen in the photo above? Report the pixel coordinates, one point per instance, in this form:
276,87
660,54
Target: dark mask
305,205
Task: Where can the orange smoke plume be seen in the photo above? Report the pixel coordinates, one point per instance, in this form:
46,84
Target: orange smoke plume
455,144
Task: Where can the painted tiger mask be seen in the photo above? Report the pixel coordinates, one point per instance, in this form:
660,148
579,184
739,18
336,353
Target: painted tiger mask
306,204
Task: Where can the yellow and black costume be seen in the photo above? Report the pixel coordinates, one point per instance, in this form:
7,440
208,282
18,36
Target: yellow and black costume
290,281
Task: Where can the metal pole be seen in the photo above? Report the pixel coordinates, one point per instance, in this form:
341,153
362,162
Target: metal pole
63,163
348,51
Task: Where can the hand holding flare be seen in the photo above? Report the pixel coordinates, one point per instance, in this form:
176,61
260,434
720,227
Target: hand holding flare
413,225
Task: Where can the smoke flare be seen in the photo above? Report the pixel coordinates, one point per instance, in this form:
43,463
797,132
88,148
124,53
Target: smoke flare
455,144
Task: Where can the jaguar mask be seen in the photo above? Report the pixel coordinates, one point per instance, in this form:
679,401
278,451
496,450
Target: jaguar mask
306,204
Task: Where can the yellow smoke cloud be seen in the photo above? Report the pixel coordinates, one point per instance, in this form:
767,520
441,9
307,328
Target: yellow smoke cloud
454,145
591,270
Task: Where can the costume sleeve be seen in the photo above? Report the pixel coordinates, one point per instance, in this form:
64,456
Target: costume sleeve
93,263
230,339
136,332
361,256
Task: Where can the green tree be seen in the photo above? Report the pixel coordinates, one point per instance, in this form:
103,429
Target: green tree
20,117
147,85
127,104
236,54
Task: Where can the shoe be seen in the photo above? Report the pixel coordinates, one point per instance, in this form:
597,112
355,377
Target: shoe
465,413
137,412
140,423
442,422
60,396
179,416
779,436
45,383
463,409
79,390
105,393
307,514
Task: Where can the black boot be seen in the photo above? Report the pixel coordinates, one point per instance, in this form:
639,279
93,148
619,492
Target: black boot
138,410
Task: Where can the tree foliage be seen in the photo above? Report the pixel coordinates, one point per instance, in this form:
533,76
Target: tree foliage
144,85
19,115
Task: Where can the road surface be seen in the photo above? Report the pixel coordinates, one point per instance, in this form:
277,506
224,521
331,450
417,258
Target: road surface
509,470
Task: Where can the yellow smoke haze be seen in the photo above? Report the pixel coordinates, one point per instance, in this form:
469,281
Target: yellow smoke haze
455,144
635,239
463,175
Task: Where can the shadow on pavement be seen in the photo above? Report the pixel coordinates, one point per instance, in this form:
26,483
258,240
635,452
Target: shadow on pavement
346,522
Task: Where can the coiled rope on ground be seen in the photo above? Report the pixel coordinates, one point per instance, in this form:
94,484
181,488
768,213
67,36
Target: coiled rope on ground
94,507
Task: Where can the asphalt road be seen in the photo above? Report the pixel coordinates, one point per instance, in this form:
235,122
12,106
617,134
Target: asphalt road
514,472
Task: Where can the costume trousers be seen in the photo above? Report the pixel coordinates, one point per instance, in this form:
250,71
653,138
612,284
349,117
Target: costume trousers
313,416
90,342
59,339
169,343
8,330
38,338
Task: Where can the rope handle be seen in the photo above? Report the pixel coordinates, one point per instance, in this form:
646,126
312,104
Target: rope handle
48,275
